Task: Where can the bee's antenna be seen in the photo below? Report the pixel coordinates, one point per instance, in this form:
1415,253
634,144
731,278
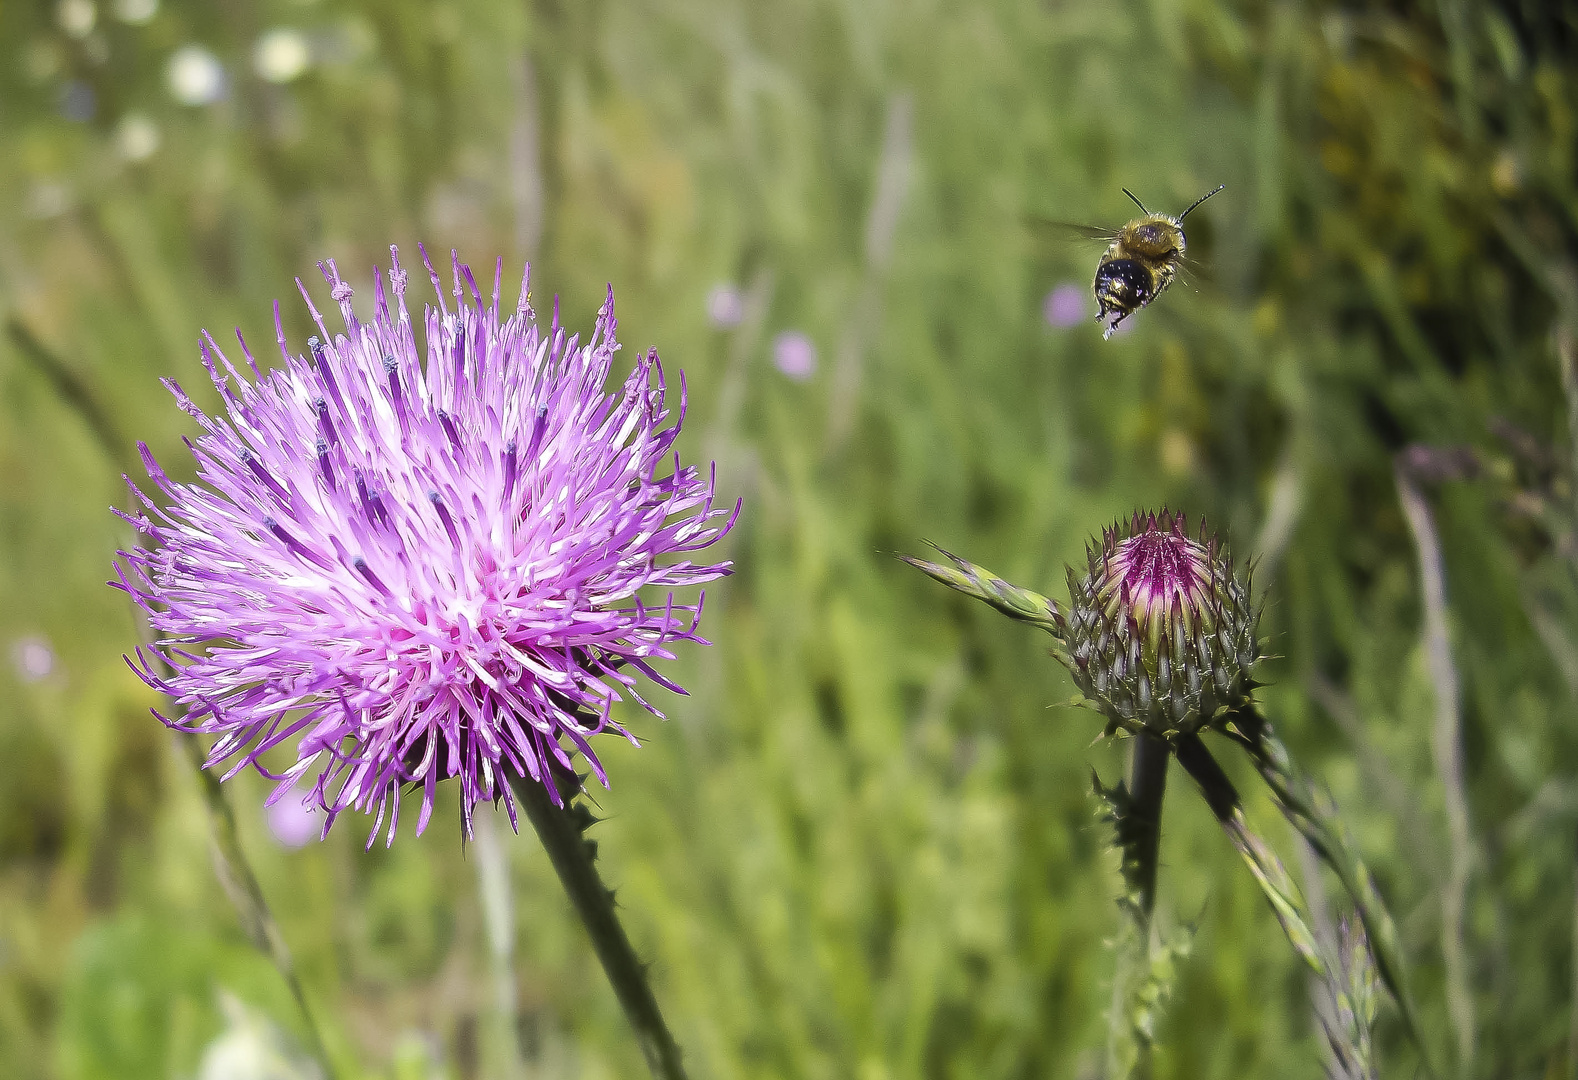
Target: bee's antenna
1198,201
1141,205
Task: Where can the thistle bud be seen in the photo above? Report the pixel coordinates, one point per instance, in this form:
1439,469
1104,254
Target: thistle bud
1161,633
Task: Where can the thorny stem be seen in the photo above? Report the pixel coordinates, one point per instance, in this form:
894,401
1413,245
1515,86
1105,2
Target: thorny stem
1147,784
1148,762
559,828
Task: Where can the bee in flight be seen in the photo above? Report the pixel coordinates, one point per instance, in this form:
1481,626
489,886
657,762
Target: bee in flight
1140,262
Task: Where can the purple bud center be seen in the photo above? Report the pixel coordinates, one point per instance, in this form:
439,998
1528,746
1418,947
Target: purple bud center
1156,567
1158,571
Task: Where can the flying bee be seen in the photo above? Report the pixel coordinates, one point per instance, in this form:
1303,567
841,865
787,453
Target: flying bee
1140,262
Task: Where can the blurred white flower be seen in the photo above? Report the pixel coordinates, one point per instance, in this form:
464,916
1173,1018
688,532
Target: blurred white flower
725,306
794,355
251,1047
46,199
33,658
195,76
282,54
76,17
136,137
136,11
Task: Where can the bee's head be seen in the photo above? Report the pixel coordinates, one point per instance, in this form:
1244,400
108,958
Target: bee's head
1122,286
1156,237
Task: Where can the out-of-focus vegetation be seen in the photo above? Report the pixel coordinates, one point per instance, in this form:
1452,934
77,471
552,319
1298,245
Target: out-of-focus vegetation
865,846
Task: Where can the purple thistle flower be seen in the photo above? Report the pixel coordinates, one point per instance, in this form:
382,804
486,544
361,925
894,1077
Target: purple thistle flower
794,354
416,571
1161,631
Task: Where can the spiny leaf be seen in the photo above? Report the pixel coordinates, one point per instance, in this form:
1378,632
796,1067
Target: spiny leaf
1313,812
981,583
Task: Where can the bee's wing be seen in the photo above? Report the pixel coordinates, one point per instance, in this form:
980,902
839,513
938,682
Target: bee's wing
1067,229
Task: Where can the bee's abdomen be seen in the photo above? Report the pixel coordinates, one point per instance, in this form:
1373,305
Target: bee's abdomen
1122,285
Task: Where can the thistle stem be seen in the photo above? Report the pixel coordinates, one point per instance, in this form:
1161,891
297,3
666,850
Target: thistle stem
572,857
1147,784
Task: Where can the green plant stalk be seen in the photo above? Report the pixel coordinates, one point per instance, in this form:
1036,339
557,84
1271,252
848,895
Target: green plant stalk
1272,876
1147,786
498,916
574,860
1314,816
1130,1027
1572,1022
1567,362
1447,750
241,885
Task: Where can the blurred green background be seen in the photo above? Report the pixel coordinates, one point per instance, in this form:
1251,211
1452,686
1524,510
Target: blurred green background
864,846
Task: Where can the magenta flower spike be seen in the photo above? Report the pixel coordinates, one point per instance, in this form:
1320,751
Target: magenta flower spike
411,562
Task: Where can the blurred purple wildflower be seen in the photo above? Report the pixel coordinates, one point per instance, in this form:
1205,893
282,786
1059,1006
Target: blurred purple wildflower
78,103
794,355
33,658
1066,305
725,306
294,819
421,571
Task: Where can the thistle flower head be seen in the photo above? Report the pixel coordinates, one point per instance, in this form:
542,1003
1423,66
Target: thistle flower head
408,570
1160,631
